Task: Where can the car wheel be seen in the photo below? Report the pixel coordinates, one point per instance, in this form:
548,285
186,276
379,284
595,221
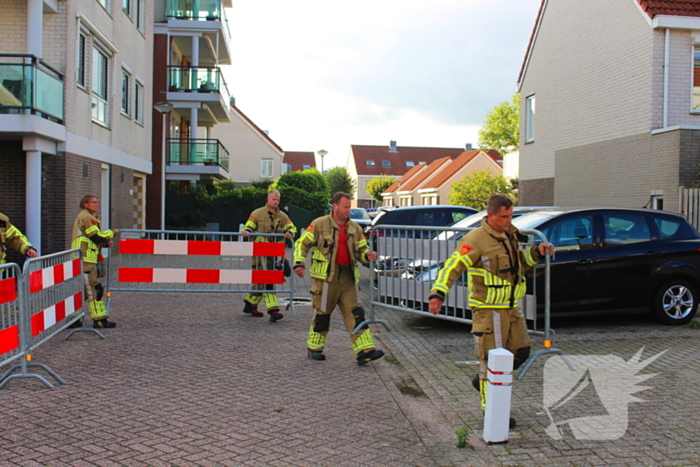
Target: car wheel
675,302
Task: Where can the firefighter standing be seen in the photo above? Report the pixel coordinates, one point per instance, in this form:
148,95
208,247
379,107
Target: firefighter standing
496,266
267,219
89,237
336,245
10,236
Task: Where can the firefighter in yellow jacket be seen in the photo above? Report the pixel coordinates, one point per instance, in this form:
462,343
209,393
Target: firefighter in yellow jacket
336,244
268,219
495,267
10,236
90,238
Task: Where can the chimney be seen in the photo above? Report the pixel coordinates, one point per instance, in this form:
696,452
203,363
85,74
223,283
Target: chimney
468,146
232,101
392,146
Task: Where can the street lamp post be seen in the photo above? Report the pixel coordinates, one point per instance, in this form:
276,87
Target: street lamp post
322,153
164,108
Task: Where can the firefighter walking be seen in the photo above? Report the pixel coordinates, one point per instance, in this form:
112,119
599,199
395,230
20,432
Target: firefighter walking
90,238
495,267
267,219
10,236
337,245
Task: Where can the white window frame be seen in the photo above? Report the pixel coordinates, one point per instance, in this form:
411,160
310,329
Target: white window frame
530,118
138,14
100,104
105,4
127,6
266,168
125,100
80,70
139,101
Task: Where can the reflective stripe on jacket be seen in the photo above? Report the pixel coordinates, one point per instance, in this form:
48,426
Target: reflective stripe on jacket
10,236
86,230
495,273
263,221
321,237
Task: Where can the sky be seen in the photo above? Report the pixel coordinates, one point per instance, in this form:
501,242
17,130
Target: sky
327,74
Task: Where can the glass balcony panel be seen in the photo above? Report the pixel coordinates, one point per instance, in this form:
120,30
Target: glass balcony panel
202,79
26,87
205,10
49,94
197,152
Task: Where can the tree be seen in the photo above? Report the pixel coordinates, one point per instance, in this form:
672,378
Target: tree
501,130
307,189
476,188
378,185
339,180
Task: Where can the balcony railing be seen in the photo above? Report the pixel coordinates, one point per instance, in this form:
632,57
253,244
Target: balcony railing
29,86
197,79
197,152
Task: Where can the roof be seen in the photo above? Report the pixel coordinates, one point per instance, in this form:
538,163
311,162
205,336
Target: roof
405,178
456,165
441,164
264,135
688,8
298,159
397,160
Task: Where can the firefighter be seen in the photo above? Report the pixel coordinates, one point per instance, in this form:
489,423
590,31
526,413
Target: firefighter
89,237
267,219
495,267
336,245
10,236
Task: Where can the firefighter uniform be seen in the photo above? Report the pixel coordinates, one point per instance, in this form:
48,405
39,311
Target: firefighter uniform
88,236
334,285
495,268
265,221
10,236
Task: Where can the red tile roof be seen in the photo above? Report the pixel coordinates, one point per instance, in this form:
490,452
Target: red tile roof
298,159
440,164
396,159
392,188
449,171
651,7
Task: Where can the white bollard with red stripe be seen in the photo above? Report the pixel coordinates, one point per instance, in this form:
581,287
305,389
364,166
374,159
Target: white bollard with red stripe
498,394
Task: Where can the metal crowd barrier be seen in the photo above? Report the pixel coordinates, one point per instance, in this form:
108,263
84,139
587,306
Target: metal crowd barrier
408,260
185,261
36,305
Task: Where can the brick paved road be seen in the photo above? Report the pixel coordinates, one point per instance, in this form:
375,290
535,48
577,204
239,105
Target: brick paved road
187,379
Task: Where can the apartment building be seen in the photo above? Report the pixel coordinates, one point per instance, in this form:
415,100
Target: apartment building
75,87
192,41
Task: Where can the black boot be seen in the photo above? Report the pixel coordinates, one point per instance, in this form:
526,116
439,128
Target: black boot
103,323
275,316
317,355
368,355
249,309
476,382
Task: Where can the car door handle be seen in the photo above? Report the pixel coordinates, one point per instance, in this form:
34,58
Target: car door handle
585,261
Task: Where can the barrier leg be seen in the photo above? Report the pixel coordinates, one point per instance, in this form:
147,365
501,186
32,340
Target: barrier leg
25,374
83,328
541,353
498,395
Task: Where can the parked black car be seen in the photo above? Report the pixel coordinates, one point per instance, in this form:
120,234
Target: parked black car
361,217
616,259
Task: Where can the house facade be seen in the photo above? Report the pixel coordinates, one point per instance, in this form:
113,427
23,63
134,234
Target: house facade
256,155
368,162
75,91
192,41
610,104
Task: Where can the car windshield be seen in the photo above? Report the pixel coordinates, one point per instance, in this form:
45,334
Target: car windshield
467,222
358,213
533,219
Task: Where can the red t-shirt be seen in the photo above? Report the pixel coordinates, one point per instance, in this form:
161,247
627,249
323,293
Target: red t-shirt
343,255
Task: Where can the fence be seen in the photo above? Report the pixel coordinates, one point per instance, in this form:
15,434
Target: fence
689,205
182,261
35,306
409,258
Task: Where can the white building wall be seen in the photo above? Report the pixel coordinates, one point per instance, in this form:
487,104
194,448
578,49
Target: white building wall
589,85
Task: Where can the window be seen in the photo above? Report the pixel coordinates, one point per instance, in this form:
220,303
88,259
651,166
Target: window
306,166
421,162
80,73
138,14
126,6
138,102
623,229
570,234
530,119
267,168
386,163
85,170
289,167
667,228
99,86
104,3
125,92
409,164
370,163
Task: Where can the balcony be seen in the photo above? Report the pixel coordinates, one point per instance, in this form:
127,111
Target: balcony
206,16
207,157
29,86
187,85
